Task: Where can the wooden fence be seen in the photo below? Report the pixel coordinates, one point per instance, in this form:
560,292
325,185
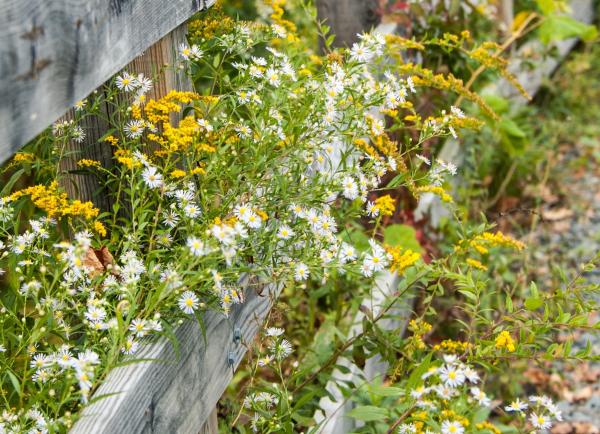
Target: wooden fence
54,53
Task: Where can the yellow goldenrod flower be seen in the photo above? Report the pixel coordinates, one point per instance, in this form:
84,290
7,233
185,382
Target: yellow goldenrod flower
438,191
504,340
88,163
386,205
476,264
402,258
99,228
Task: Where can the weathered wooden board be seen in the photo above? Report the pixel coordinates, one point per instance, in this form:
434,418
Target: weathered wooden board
347,18
54,53
176,393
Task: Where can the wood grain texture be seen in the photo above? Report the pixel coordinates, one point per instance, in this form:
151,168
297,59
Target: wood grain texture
176,393
156,63
347,18
54,53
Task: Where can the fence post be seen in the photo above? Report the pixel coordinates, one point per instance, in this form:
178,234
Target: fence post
347,18
156,62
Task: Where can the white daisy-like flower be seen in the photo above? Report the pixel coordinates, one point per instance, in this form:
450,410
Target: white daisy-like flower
347,253
152,178
254,220
471,375
285,232
301,272
138,327
452,427
266,360
480,396
360,53
196,246
95,314
424,159
452,376
540,421
131,346
372,209
516,405
205,125
192,210
188,52
274,331
273,77
126,82
134,128
188,302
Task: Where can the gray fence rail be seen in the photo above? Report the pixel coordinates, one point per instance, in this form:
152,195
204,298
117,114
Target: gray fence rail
54,53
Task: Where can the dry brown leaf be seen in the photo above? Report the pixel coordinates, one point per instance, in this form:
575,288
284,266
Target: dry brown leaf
556,214
583,394
585,428
562,428
92,263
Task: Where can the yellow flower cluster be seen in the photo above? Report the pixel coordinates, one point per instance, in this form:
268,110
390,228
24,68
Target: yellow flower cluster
88,163
386,204
438,191
504,340
23,157
112,140
399,43
452,415
99,228
424,77
178,173
451,346
402,258
482,242
216,22
485,425
158,110
277,15
419,329
125,158
476,264
56,203
177,138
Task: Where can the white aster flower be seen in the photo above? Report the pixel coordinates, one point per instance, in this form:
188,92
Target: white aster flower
452,427
452,376
516,405
285,232
480,397
152,177
134,128
540,421
188,302
196,246
301,272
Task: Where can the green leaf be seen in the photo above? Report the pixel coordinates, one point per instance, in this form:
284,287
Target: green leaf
547,6
403,236
497,103
510,128
15,382
559,27
386,391
509,304
533,303
368,413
